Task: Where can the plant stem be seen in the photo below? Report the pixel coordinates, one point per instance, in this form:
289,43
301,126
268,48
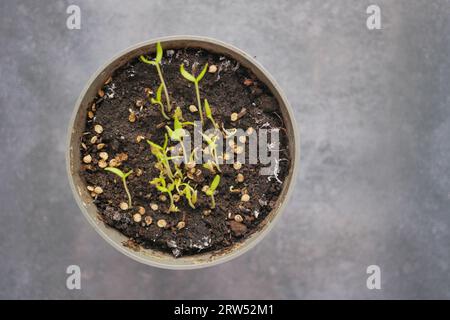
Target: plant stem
213,202
186,160
162,111
172,204
197,91
166,93
127,191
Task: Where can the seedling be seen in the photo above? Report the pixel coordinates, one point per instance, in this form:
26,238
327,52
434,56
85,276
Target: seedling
157,63
178,133
185,189
160,152
158,101
122,176
209,114
212,188
163,187
212,145
195,80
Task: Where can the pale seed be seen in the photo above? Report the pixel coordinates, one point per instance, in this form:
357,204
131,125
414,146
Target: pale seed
250,131
205,188
90,114
102,164
181,225
193,108
154,206
137,217
148,220
87,159
132,117
240,177
212,68
226,156
237,165
239,149
100,146
139,172
90,188
139,102
101,93
98,128
84,146
206,212
98,190
238,218
231,143
141,210
113,163
176,197
103,155
139,138
191,165
94,139
163,198
234,116
148,91
242,139
162,223
245,198
123,206
93,107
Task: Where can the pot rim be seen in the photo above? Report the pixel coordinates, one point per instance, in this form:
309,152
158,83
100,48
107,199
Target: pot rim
245,245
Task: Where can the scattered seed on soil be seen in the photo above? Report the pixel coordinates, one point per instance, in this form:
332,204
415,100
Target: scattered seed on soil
90,114
87,159
123,206
100,146
245,198
242,139
176,197
237,165
193,108
139,138
103,155
98,190
139,172
114,163
206,212
83,146
94,139
212,68
181,225
234,116
137,217
148,91
102,164
250,131
238,218
98,128
139,102
162,198
205,188
154,206
240,177
162,223
148,220
90,188
141,210
132,117
248,82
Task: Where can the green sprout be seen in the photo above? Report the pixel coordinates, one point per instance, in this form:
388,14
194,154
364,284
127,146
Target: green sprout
195,80
122,176
209,114
158,101
178,133
212,145
157,63
211,189
188,192
160,152
163,187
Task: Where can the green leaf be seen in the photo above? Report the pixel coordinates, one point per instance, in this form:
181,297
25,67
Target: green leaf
186,74
207,109
117,172
154,145
214,183
145,60
154,101
201,75
159,53
161,188
166,141
158,92
128,173
176,123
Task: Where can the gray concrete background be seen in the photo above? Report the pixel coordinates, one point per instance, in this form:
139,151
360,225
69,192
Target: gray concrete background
374,116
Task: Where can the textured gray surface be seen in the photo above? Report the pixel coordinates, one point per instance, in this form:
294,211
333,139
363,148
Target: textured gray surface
374,116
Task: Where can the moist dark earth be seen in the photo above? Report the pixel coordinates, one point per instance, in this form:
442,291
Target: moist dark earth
230,89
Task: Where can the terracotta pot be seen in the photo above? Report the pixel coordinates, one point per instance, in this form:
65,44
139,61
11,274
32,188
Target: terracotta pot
84,200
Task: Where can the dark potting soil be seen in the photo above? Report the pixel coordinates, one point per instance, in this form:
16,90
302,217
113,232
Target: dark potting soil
230,89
